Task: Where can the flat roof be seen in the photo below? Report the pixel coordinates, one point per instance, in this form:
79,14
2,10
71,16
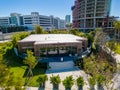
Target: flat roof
52,38
56,42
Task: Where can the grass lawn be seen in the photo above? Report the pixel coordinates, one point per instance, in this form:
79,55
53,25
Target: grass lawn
20,69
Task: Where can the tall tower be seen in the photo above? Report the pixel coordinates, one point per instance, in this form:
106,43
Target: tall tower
90,14
67,19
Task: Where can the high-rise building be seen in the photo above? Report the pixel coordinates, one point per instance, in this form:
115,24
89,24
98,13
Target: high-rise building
67,19
91,14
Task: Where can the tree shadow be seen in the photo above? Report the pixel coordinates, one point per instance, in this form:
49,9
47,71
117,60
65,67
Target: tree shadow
41,88
55,87
100,87
92,88
67,88
40,68
11,59
80,88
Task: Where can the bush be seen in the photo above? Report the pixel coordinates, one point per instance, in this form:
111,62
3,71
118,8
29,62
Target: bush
92,81
42,79
80,81
68,82
55,80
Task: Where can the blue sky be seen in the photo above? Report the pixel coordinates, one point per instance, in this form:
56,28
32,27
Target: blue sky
58,8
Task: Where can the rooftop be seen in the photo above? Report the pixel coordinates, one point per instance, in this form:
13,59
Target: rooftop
52,38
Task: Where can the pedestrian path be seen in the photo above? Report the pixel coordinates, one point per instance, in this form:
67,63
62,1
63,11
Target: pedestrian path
63,75
57,67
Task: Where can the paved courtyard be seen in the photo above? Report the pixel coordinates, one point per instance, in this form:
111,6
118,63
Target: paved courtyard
57,67
63,75
75,72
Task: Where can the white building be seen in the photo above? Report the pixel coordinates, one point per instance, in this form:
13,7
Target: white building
15,19
47,22
62,24
4,21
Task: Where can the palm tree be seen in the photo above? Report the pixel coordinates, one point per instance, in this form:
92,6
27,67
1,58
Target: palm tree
68,82
100,81
31,61
92,83
55,80
80,82
42,79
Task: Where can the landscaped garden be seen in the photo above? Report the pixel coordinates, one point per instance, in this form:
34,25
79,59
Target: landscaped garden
99,65
18,67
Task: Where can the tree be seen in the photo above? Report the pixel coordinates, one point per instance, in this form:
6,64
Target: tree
80,82
68,82
92,82
117,29
11,82
77,32
31,61
100,39
19,84
18,36
39,30
100,81
42,79
55,80
6,77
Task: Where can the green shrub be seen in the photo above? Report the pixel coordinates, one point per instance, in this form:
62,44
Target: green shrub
55,80
42,79
68,82
80,81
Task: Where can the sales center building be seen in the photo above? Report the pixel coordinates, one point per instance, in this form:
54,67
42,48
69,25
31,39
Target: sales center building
53,44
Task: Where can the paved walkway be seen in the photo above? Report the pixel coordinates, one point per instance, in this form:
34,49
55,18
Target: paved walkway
63,75
57,67
117,77
76,74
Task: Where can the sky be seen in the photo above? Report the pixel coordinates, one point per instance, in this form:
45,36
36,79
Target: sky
58,8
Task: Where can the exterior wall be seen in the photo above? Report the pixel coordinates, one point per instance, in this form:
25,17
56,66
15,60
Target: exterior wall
38,47
62,24
15,19
22,46
87,14
4,21
25,45
67,19
47,22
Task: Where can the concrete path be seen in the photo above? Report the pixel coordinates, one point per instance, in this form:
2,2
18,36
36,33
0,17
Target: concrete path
63,75
76,74
117,77
57,67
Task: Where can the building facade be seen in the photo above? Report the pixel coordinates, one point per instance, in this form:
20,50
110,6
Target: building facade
91,14
15,19
53,44
67,19
4,21
47,22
